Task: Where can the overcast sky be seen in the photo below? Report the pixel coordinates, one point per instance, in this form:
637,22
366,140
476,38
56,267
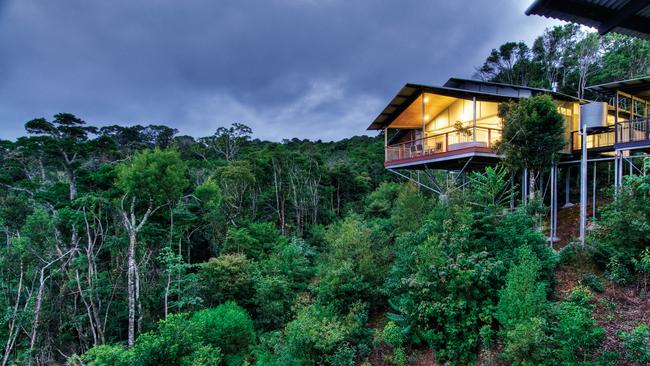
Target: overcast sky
318,69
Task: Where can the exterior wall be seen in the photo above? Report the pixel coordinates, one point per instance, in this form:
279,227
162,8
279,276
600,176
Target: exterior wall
441,130
571,113
443,135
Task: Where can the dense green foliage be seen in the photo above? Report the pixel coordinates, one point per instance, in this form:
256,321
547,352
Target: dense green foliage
206,338
568,58
224,250
533,133
240,262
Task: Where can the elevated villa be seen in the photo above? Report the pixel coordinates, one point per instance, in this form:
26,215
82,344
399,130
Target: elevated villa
456,125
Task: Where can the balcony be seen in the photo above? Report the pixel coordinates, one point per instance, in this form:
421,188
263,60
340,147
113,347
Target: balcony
443,149
633,134
599,141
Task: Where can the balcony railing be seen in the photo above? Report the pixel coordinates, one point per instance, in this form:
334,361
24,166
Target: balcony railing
601,139
442,143
632,131
635,130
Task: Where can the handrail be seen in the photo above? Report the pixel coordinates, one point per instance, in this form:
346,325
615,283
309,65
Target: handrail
412,142
442,142
633,130
602,138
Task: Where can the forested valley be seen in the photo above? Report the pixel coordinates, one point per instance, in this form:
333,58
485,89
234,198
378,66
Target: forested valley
134,245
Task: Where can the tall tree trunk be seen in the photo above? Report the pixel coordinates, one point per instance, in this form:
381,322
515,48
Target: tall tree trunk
166,296
13,331
133,275
131,288
89,313
37,311
531,185
137,299
72,182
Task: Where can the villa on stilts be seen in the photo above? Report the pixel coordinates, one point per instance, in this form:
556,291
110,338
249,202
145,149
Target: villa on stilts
454,128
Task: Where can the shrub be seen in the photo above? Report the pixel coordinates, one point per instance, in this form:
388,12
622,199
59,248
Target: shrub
524,342
409,209
501,235
104,355
253,240
520,307
574,334
351,240
172,340
523,297
442,292
642,266
184,341
623,231
379,203
228,327
203,356
580,295
351,270
269,348
240,240
393,334
266,233
319,336
569,254
399,356
593,282
291,259
637,344
617,272
341,286
486,333
273,300
227,277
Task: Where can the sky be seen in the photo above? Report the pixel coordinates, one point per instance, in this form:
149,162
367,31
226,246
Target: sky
317,69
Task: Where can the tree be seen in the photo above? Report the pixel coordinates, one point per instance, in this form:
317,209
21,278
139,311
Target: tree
587,56
68,137
509,64
533,135
623,57
552,51
151,179
179,281
227,141
236,180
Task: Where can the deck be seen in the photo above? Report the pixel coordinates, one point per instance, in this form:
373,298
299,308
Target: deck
445,150
453,149
625,135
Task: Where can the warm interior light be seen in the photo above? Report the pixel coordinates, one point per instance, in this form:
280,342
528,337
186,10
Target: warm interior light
426,99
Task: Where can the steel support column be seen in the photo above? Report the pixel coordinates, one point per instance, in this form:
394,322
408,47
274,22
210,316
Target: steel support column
583,185
567,187
593,208
553,222
524,186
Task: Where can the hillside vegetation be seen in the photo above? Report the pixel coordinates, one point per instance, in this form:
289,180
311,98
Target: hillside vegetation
135,246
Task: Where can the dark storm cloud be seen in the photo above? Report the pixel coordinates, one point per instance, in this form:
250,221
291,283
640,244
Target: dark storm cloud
306,68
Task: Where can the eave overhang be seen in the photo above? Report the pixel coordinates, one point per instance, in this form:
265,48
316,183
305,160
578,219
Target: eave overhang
629,17
639,87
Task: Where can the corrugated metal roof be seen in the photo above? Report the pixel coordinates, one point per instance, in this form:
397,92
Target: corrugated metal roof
630,17
639,87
